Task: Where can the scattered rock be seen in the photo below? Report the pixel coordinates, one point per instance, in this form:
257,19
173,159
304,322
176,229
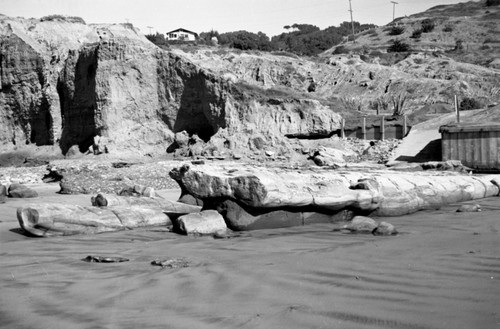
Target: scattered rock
469,208
205,222
101,259
171,263
54,175
385,229
21,191
138,190
329,157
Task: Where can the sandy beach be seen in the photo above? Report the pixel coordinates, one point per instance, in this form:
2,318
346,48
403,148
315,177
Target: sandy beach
441,271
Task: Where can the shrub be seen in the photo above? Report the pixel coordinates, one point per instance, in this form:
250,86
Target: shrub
448,28
427,25
459,45
469,104
340,50
416,34
61,18
490,3
396,30
398,46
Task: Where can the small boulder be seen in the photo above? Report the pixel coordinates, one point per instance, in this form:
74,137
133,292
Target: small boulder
385,228
361,224
21,191
205,222
3,190
469,208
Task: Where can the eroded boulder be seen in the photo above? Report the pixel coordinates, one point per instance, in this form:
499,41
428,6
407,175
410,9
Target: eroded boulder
203,223
361,224
385,229
59,219
21,191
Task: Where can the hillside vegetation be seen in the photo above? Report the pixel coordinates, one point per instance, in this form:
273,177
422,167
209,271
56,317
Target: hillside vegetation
466,32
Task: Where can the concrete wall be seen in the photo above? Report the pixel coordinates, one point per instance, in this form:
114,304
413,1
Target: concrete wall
375,133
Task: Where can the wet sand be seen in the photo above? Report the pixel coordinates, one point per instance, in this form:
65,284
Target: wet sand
442,271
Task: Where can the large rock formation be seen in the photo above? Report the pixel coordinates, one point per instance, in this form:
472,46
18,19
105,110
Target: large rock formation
64,82
237,192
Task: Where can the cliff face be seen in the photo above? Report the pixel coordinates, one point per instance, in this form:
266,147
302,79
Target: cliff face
65,82
420,80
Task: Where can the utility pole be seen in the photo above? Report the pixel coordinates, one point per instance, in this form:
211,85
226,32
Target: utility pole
150,27
394,3
352,22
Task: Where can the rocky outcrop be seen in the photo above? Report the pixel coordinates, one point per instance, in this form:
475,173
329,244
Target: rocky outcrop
64,82
247,195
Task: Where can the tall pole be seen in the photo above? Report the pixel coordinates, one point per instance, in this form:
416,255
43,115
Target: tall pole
352,22
394,3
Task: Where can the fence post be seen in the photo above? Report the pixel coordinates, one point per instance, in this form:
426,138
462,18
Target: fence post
363,129
342,128
457,111
382,129
405,126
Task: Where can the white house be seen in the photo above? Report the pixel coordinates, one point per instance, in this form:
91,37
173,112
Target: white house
182,34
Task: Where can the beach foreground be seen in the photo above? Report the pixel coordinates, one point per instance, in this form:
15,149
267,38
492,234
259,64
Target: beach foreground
441,271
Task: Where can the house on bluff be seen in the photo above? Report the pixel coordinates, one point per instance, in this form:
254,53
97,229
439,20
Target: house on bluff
182,35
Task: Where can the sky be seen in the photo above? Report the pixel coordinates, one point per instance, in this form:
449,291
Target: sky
268,16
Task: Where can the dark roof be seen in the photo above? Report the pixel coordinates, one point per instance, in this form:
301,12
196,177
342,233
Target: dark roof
182,30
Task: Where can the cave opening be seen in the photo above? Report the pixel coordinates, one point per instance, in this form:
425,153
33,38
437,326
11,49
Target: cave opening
78,102
195,104
41,125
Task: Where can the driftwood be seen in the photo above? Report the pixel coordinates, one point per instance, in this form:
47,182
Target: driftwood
59,219
170,207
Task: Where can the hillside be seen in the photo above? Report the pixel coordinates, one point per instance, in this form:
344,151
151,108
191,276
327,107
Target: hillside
466,32
62,82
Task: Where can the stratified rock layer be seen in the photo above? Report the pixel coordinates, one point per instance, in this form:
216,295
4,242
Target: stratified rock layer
383,193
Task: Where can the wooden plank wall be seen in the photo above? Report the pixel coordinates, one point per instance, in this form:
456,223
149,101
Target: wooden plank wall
476,149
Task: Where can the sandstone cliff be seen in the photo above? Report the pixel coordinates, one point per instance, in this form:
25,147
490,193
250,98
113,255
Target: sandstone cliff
63,82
